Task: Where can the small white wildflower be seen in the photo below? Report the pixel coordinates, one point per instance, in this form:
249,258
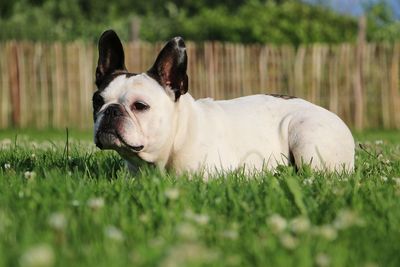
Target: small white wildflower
33,156
113,233
346,219
378,142
172,193
322,260
201,219
187,231
288,241
144,218
189,254
7,166
384,178
230,234
277,223
96,203
57,221
397,181
38,256
328,232
300,225
308,181
29,175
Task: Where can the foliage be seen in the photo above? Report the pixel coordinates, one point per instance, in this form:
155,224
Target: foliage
253,21
80,207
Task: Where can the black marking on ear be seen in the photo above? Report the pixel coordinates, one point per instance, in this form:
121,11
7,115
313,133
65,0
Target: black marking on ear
169,69
282,96
111,56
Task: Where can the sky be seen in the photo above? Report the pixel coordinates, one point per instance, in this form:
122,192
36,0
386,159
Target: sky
355,7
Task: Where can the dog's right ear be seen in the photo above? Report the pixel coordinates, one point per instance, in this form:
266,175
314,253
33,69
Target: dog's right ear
111,56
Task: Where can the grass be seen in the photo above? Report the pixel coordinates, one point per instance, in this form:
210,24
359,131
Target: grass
80,207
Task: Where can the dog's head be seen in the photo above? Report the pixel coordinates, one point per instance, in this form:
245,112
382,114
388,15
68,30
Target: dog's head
135,113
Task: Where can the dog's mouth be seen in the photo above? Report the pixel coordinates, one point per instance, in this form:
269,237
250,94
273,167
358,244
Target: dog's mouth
113,140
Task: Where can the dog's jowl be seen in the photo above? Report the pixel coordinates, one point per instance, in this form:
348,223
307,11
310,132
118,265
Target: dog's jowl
152,116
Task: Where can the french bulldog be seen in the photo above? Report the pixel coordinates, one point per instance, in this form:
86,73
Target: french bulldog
152,116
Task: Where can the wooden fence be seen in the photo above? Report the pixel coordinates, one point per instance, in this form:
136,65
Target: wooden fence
51,85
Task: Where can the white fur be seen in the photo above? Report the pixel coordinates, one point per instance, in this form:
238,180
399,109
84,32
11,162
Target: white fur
254,132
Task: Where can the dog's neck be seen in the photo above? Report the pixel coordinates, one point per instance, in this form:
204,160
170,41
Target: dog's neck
185,129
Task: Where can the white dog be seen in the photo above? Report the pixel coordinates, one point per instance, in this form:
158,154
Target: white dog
151,116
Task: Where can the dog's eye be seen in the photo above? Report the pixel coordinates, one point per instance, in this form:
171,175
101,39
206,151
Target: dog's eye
140,106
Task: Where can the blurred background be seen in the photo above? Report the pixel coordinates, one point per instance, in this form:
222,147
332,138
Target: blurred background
341,54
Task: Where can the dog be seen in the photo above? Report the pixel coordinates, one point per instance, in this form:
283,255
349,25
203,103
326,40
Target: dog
152,116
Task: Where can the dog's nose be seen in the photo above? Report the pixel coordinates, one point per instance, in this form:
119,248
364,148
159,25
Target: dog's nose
114,110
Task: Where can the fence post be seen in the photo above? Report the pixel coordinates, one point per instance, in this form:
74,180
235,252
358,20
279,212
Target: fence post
358,78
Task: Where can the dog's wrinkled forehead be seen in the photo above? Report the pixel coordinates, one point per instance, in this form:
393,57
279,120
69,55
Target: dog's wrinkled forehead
125,85
108,79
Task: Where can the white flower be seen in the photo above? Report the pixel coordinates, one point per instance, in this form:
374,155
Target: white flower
7,166
277,223
308,181
328,232
288,241
96,203
29,175
230,234
172,193
322,260
300,225
38,256
346,219
57,221
113,233
397,181
187,231
384,178
33,156
378,142
201,219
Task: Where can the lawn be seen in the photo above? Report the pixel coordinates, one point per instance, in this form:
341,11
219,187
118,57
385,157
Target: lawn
74,205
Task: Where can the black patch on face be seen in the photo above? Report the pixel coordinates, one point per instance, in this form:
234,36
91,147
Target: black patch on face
98,102
282,96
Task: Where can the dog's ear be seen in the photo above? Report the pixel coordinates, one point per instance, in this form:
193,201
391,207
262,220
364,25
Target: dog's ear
111,56
169,69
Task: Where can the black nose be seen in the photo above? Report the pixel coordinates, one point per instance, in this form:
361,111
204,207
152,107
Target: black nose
114,110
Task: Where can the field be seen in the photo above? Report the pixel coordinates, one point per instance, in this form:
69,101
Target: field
65,203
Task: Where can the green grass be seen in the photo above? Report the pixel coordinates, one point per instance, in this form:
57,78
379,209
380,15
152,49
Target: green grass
82,208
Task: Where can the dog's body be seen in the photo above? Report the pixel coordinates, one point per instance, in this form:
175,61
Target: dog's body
150,115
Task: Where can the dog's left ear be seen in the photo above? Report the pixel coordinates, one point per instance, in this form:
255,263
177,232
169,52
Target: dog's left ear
169,69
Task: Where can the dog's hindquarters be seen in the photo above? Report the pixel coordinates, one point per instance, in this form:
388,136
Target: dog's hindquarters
324,141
